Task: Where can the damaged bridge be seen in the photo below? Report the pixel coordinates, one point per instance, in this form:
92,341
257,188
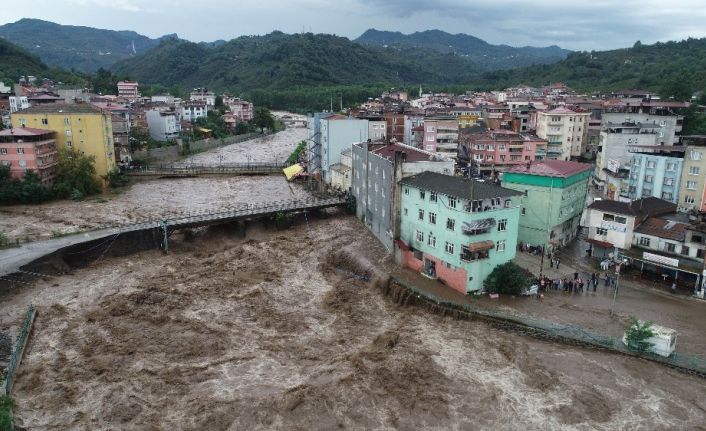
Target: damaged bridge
133,237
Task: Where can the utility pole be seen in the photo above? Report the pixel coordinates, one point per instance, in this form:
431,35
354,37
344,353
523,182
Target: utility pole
618,264
549,218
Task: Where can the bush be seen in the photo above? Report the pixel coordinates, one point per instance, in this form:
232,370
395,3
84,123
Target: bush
507,278
75,176
4,240
6,406
294,157
116,178
637,334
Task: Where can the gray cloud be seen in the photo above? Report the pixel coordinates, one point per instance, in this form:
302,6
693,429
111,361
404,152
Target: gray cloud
598,24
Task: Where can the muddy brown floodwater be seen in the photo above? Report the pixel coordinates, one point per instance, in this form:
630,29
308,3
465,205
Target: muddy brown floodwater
144,200
263,332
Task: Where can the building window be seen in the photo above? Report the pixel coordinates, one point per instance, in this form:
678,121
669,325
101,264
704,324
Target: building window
449,248
3,150
450,224
502,225
691,185
420,236
452,202
671,166
432,218
689,200
500,246
69,144
421,214
694,170
668,181
608,217
646,193
524,211
67,121
508,203
644,241
667,196
20,150
430,138
671,247
649,178
636,162
45,121
431,240
601,231
685,250
22,163
432,196
421,194
526,192
68,133
651,164
695,155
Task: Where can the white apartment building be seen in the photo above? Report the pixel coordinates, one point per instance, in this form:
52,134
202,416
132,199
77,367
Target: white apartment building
193,110
18,103
163,125
202,94
128,89
565,130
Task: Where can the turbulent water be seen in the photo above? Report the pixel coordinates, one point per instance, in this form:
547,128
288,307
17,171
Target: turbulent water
265,332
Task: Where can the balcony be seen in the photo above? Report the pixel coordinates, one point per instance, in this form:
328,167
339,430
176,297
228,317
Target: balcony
477,227
554,143
477,251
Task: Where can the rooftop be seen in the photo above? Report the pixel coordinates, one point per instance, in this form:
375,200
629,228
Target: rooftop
25,131
552,168
650,206
62,108
456,186
413,154
663,229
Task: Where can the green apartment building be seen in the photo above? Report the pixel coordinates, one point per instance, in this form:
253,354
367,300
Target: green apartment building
456,230
553,198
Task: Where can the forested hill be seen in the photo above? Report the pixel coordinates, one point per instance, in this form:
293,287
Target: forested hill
283,61
85,49
670,68
15,61
475,50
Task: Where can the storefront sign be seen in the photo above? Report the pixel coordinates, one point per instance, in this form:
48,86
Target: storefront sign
663,260
610,225
613,165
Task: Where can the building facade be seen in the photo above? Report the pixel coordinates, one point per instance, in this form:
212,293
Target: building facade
655,175
553,198
338,133
130,90
203,95
79,127
26,149
441,135
565,130
375,182
692,186
456,230
193,110
163,124
496,151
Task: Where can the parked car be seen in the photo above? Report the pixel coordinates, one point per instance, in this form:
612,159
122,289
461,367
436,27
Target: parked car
530,291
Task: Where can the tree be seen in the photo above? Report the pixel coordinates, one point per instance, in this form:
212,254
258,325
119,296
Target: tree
219,102
10,188
2,124
33,191
677,88
637,335
694,121
507,278
263,119
75,175
116,178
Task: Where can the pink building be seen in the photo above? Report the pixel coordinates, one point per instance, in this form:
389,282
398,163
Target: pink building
441,135
128,89
24,149
494,151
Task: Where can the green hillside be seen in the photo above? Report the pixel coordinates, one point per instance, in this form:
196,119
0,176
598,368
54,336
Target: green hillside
282,61
473,49
84,49
15,61
671,68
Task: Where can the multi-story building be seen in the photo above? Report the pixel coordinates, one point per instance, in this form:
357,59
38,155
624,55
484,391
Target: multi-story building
338,132
192,110
441,135
130,90
17,103
456,230
241,109
163,124
25,149
79,127
412,123
395,126
377,170
692,187
565,130
341,172
495,151
204,95
612,224
655,175
554,196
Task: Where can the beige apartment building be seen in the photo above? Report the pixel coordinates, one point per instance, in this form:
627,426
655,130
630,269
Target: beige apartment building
565,130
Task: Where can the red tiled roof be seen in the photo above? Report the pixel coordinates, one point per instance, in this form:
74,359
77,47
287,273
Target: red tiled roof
663,229
552,168
24,131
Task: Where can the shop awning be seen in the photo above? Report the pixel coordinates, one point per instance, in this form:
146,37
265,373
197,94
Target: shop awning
481,224
481,245
599,243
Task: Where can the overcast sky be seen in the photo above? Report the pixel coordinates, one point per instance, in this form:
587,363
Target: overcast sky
572,24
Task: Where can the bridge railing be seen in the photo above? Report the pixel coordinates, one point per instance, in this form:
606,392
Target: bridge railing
191,168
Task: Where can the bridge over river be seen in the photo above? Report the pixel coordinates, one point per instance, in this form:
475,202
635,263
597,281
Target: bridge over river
178,170
15,259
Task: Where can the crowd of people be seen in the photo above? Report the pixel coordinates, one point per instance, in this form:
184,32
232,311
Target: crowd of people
577,284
